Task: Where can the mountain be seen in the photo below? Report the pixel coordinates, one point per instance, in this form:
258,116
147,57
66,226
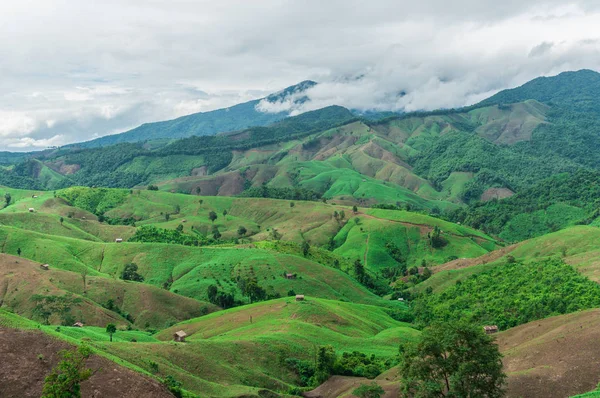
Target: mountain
578,89
236,117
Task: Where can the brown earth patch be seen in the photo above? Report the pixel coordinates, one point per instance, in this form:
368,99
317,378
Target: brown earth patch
338,386
553,357
22,372
496,193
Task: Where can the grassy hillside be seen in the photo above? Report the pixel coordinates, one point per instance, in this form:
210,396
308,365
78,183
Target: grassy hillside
135,304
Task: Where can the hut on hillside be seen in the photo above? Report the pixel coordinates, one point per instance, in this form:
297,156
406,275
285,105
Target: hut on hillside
180,336
490,329
119,240
290,276
78,325
299,297
31,210
45,267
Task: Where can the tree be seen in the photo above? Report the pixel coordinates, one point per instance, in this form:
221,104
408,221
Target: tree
342,215
359,271
372,390
198,190
325,362
152,188
19,251
437,240
242,230
179,228
452,360
212,293
174,386
130,273
305,248
46,306
250,289
224,213
216,233
111,329
177,209
167,216
7,198
84,273
292,204
65,379
354,209
212,216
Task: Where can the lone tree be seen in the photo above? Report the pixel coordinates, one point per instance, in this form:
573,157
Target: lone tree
19,251
452,360
242,230
212,216
7,198
111,329
62,220
354,209
66,377
130,273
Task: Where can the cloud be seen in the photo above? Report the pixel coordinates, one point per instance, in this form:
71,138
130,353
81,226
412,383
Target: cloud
74,70
541,49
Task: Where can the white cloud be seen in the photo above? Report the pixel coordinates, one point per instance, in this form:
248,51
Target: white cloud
76,69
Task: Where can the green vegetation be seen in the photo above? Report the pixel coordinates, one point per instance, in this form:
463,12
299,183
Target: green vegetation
511,294
454,359
65,379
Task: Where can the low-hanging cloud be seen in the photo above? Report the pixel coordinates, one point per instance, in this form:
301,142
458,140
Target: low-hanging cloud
76,70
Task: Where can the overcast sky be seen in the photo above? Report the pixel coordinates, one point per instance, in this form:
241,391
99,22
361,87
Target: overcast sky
72,70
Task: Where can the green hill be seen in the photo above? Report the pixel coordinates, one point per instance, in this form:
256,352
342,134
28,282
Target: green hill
237,117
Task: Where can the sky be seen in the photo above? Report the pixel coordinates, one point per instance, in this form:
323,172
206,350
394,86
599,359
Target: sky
74,70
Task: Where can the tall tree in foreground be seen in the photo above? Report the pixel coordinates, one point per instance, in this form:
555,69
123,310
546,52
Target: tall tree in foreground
455,360
65,379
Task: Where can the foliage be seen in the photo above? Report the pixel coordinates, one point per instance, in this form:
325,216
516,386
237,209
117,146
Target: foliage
452,360
372,390
265,191
46,306
160,235
65,379
511,294
111,329
130,273
174,386
94,200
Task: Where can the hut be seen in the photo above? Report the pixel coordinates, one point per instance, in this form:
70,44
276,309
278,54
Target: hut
31,209
45,267
180,336
78,325
490,329
299,297
290,276
119,240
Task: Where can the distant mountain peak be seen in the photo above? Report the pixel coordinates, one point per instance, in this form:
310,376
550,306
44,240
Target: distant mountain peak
291,91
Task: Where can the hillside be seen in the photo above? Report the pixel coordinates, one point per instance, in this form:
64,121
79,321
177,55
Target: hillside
87,297
237,117
28,355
